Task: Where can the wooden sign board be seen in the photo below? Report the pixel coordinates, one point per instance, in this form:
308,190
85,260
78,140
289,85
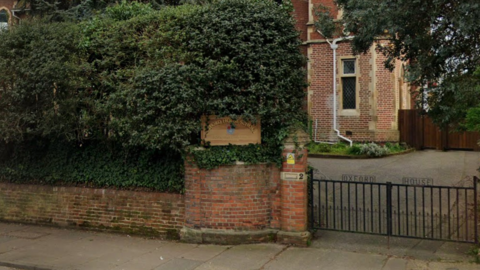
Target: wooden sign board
224,131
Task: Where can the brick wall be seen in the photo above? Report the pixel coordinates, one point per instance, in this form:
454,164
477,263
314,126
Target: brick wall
249,203
301,17
378,96
236,197
376,115
150,213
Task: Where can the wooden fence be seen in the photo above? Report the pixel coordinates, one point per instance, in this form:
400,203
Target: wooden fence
419,131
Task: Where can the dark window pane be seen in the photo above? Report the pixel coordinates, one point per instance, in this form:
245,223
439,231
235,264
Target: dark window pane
349,92
3,16
349,67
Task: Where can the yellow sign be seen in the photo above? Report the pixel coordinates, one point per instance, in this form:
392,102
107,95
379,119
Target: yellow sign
291,158
225,131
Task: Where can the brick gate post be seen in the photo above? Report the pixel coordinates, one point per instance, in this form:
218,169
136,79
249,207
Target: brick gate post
294,195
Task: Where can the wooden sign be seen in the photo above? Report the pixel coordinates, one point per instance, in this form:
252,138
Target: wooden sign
224,131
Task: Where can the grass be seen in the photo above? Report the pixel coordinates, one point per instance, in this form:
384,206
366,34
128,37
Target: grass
355,150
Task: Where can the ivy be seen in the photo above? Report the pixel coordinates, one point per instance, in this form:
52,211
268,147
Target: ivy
212,157
139,80
91,165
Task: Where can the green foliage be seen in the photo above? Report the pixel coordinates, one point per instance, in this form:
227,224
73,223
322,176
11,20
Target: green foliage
473,119
74,10
127,10
215,156
156,75
91,164
373,150
41,81
339,146
395,147
319,147
324,22
355,150
450,101
141,79
147,80
370,149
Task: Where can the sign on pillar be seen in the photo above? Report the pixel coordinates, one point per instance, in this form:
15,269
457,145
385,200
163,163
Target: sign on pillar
294,193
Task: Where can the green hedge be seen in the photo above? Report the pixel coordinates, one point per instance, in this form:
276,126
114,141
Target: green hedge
92,165
141,79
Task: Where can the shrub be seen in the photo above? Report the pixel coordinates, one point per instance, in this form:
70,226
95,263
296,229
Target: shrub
156,75
41,83
355,149
373,150
127,10
339,146
394,147
319,147
142,79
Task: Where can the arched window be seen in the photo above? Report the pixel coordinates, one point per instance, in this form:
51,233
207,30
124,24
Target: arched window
4,19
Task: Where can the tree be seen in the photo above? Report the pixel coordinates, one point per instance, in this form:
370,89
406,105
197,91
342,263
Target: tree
65,10
439,39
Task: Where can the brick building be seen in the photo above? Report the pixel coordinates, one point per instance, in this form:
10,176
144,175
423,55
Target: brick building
11,11
367,95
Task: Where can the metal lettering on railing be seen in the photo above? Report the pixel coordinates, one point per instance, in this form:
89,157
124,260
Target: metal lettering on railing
359,178
417,181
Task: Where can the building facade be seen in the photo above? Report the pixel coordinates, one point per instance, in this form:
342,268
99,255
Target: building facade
350,97
11,11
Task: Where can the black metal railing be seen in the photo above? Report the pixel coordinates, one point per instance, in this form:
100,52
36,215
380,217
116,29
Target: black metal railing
428,212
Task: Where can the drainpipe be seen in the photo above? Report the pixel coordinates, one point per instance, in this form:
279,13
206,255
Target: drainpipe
15,16
334,46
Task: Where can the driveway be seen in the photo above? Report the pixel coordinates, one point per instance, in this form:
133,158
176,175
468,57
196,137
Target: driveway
426,208
452,168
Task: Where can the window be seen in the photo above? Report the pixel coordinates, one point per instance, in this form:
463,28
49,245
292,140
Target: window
349,84
3,19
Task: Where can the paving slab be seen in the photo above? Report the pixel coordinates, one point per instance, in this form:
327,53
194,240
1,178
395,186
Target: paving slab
12,243
453,266
332,250
395,264
419,249
313,259
363,243
454,252
179,264
243,257
418,265
204,252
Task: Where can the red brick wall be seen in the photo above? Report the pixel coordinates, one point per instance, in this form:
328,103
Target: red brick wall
376,108
235,197
294,193
151,213
301,17
6,4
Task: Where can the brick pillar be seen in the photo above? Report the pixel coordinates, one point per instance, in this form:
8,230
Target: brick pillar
232,204
293,182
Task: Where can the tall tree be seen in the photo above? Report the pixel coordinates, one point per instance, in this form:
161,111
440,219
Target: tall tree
439,39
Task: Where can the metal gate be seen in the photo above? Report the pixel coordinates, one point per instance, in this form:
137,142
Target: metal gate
427,212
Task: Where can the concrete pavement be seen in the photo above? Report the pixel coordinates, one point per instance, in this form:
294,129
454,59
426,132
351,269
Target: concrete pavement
35,247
